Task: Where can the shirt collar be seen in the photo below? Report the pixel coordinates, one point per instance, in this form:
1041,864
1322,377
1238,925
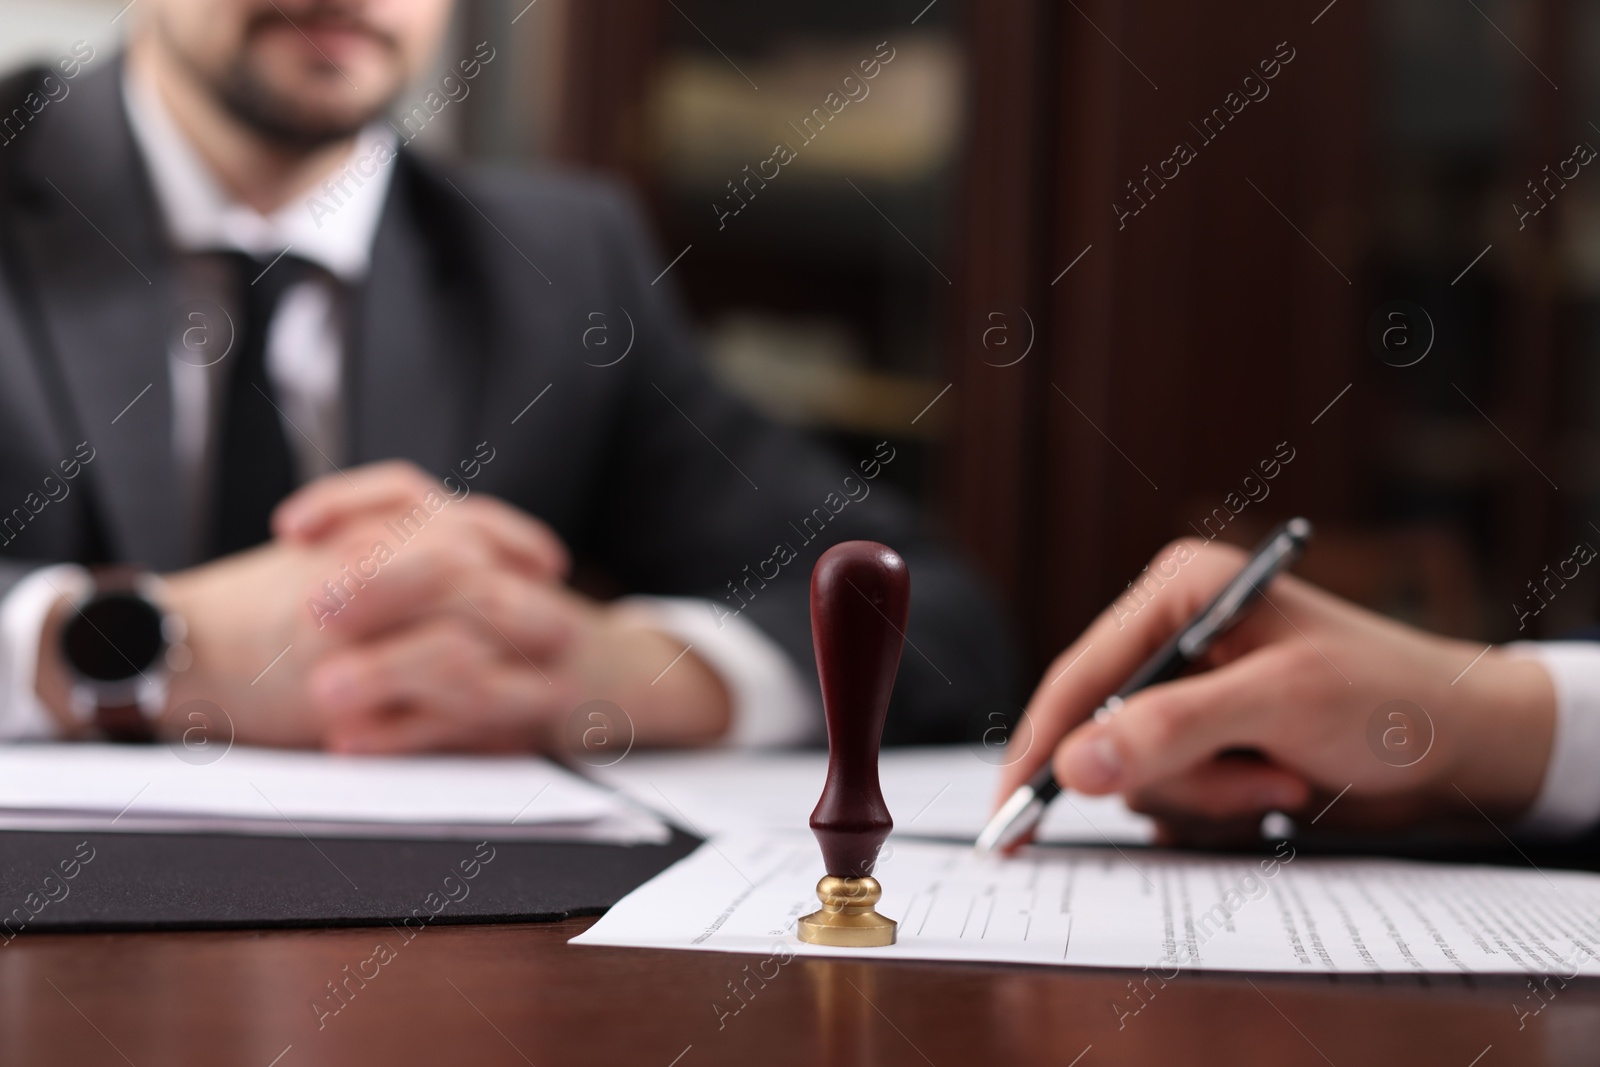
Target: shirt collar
333,226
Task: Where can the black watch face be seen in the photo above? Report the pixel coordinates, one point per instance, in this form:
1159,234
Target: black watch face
113,637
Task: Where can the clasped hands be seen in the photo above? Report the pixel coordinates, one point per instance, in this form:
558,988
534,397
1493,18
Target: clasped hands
412,618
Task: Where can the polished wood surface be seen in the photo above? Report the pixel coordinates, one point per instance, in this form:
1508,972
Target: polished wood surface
520,994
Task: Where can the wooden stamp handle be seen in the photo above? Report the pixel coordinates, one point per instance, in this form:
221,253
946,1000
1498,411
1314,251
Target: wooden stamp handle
860,598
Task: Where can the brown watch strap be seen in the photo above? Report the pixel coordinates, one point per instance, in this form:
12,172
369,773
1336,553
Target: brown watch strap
124,722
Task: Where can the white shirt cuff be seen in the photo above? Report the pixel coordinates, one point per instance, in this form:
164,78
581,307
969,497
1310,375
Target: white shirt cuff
772,705
1569,798
22,614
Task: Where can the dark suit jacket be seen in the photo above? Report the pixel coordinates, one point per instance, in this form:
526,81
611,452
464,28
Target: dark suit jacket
646,468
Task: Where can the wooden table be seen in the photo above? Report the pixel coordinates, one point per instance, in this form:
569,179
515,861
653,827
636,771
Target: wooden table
521,995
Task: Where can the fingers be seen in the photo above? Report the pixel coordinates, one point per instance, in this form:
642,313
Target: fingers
376,576
525,541
403,732
1243,834
431,728
1223,790
401,501
512,615
437,685
427,663
1166,731
1340,809
1220,804
314,509
1177,583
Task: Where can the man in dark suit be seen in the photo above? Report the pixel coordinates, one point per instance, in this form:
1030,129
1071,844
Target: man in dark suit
231,300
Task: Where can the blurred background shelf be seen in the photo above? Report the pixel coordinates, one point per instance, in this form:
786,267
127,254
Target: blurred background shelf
822,276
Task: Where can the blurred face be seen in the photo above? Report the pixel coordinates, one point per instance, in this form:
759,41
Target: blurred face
300,72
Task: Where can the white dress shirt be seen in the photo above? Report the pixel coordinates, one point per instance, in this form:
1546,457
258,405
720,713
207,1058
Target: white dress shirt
1569,799
304,361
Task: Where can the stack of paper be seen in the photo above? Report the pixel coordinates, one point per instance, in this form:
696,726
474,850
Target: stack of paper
85,787
1162,911
931,792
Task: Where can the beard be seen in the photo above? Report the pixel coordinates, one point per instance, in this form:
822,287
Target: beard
296,119
283,118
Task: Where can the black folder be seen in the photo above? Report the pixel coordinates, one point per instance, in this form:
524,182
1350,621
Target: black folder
139,881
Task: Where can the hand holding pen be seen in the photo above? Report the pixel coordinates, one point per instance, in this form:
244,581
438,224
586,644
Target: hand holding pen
1227,706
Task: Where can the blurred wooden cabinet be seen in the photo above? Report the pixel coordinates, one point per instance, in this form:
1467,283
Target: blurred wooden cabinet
1095,262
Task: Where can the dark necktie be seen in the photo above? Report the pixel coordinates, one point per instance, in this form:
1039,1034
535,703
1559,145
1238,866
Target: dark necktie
255,467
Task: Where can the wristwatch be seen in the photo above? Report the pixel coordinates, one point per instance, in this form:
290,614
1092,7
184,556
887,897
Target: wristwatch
120,647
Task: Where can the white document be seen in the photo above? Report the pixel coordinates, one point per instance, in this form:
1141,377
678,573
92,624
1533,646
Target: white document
1140,909
944,792
267,791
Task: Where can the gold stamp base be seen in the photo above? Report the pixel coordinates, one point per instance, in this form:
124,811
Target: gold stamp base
848,917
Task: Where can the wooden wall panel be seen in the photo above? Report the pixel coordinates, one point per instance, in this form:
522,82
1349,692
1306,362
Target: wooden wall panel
1202,331
612,47
991,464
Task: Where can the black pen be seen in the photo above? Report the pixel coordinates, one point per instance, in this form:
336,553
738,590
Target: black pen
1023,809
